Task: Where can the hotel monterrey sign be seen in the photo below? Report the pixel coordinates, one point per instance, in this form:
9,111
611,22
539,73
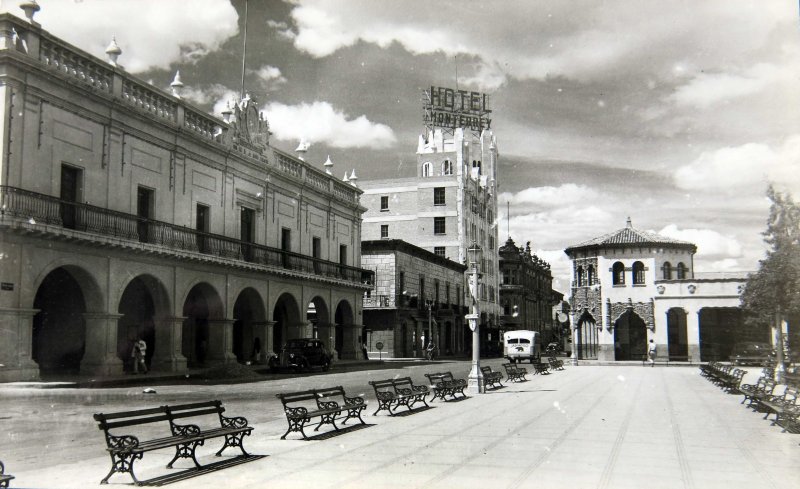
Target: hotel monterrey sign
448,109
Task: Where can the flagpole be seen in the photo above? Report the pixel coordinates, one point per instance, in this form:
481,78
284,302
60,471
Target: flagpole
244,49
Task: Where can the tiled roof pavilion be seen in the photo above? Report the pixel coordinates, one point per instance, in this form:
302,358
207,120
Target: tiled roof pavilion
630,236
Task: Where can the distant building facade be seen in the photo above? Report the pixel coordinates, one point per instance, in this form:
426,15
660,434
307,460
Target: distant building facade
417,297
630,286
127,212
450,203
527,297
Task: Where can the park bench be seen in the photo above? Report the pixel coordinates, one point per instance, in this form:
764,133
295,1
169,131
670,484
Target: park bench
514,373
393,393
732,381
752,392
491,378
125,449
4,478
556,363
540,367
444,384
303,406
785,407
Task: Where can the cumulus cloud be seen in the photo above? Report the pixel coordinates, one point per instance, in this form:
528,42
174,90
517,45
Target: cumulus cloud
270,77
748,167
320,122
151,33
548,197
707,89
709,242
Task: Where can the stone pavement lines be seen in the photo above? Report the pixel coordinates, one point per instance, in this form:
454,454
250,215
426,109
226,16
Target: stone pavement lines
686,473
605,478
496,440
526,473
748,455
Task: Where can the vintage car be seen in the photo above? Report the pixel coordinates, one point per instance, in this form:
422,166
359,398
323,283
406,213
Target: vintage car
301,354
750,352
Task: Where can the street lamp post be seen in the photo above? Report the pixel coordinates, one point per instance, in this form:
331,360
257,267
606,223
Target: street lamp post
475,380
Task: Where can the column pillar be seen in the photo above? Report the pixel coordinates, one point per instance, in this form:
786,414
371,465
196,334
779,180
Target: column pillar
16,338
168,350
350,341
693,334
100,356
326,332
220,341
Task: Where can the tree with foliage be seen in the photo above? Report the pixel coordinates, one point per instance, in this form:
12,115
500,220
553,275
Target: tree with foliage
772,294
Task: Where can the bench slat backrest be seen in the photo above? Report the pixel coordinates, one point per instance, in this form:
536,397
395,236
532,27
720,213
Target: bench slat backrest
131,418
382,385
337,391
299,396
402,383
436,378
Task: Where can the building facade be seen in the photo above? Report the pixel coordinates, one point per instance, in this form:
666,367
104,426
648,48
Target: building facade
449,204
527,297
417,297
631,286
127,212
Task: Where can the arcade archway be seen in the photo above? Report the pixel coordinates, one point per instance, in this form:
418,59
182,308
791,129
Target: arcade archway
344,321
677,338
143,301
202,304
248,310
286,313
630,337
586,337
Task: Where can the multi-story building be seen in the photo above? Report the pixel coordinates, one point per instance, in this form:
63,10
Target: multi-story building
417,297
526,291
127,212
448,205
631,286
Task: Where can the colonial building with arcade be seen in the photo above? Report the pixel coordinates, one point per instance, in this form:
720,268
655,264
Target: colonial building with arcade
128,212
631,286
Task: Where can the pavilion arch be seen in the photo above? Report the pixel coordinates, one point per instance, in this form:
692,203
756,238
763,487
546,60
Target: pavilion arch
586,337
249,317
202,308
288,320
630,337
143,303
64,294
677,336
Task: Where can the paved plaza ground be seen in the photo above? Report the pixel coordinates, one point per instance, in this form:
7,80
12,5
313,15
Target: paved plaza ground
584,427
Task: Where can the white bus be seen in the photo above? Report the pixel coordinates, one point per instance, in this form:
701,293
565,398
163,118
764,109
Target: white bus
522,345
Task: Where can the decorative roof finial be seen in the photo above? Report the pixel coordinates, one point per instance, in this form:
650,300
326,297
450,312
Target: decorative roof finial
346,178
628,223
113,51
353,178
302,149
30,8
328,166
177,84
227,111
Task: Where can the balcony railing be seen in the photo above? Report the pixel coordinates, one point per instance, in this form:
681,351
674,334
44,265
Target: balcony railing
378,301
45,209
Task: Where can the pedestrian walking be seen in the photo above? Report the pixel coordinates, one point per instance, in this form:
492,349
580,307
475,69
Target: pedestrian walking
138,353
651,353
364,351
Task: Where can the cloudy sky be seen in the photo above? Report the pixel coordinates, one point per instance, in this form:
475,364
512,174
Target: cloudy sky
677,113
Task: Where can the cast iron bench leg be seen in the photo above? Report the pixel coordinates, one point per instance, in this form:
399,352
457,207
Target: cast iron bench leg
234,440
122,463
186,450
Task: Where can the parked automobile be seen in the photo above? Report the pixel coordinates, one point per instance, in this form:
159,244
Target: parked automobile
302,354
751,352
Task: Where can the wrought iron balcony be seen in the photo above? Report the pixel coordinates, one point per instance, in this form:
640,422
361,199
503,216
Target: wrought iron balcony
45,209
379,301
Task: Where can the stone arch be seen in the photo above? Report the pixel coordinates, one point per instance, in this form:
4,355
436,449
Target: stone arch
202,307
249,317
143,303
288,320
586,336
677,335
343,337
630,337
318,316
64,295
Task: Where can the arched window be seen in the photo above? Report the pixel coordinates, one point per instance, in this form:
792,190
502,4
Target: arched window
618,274
579,276
681,268
638,273
590,275
426,169
667,268
447,167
